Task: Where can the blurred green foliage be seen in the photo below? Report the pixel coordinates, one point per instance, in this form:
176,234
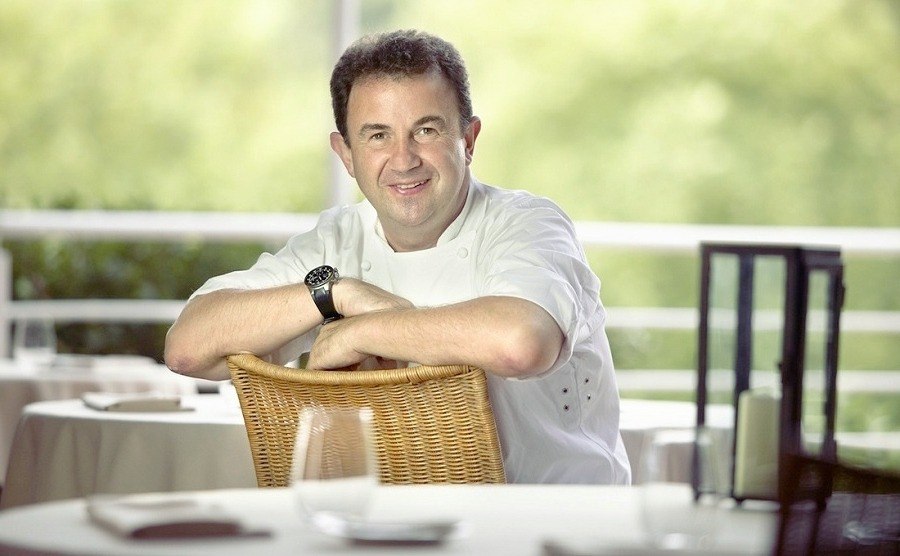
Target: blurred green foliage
751,112
756,112
60,269
164,105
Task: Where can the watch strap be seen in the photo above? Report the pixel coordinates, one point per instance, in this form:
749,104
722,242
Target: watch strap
325,302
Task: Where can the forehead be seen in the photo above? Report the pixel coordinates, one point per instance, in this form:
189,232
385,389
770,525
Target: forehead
387,97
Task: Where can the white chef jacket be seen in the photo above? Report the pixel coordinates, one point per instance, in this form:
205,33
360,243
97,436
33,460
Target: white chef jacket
560,427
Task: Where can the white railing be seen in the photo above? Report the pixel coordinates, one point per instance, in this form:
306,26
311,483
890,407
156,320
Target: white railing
278,227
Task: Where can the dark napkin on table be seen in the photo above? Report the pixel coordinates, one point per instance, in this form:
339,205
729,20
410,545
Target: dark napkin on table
148,516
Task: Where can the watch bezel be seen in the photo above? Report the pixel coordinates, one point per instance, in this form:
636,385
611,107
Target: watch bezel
320,276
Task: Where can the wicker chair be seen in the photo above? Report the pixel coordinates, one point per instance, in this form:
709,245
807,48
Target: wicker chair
432,424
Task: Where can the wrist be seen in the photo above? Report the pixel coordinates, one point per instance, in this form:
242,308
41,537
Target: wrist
340,293
320,282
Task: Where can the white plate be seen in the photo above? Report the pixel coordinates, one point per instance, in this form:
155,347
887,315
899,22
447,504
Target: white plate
368,530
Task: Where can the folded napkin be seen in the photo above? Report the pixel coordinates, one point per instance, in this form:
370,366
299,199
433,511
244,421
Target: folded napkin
147,516
145,401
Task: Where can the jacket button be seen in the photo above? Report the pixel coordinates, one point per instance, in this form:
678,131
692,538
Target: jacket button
366,265
462,253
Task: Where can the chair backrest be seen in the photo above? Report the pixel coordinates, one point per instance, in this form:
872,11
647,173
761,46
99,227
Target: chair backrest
836,508
432,424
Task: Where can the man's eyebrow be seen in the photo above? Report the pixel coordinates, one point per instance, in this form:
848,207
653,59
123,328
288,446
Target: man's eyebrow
437,121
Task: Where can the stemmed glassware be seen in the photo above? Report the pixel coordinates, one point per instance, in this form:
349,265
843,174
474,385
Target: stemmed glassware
34,343
334,468
668,460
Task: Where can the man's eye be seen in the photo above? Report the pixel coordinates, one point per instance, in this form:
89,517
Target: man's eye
427,132
377,136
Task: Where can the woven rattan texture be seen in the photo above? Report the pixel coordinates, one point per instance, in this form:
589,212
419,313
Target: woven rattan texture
432,424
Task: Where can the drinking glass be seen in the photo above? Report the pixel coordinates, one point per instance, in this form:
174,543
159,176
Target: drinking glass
334,466
674,518
34,343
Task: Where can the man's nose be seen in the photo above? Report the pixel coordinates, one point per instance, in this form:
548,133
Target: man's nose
405,155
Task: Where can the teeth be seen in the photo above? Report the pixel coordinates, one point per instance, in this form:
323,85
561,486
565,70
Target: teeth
410,186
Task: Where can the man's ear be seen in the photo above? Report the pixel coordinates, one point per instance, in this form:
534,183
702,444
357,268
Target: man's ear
472,131
340,147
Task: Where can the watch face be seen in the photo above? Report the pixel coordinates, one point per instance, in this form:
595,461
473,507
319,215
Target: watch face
319,275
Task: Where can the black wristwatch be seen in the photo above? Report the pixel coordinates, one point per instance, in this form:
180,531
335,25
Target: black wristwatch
319,281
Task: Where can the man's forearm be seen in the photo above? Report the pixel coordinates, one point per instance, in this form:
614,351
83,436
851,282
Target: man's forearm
224,322
503,335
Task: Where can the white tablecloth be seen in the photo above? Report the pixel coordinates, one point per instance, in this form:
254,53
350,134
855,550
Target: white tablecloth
70,377
64,449
511,519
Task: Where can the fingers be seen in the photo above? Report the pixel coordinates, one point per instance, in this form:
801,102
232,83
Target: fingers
354,297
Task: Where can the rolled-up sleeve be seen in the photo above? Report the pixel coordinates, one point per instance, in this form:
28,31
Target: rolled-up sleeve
289,265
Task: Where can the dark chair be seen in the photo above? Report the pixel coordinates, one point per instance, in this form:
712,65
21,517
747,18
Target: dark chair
835,508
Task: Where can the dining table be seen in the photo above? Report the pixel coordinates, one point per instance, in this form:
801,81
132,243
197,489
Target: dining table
65,449
69,376
550,520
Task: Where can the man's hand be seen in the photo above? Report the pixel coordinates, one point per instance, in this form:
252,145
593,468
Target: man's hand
354,297
333,347
331,350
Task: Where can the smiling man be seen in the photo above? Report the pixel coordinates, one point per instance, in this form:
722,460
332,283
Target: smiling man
433,267
409,153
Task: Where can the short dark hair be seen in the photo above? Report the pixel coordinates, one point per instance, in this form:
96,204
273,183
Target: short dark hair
398,53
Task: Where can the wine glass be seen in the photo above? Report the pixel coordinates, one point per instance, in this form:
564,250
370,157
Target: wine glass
674,517
334,467
34,343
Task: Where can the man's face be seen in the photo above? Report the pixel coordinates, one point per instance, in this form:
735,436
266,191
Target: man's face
408,154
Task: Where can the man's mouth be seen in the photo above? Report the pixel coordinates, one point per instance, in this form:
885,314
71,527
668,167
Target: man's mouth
409,186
